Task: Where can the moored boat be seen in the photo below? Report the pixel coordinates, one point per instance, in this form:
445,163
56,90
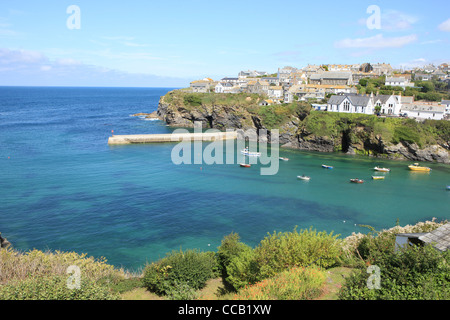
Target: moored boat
284,159
250,154
245,165
327,167
378,177
303,177
448,187
417,167
382,169
357,180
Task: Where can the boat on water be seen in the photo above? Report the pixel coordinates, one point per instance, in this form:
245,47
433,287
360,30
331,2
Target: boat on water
303,177
327,167
417,167
245,165
356,180
382,169
448,187
378,177
284,159
246,152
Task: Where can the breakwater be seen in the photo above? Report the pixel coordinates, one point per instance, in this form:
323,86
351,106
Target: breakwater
172,137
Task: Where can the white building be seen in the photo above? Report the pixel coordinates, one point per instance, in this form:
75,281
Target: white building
398,82
351,103
423,110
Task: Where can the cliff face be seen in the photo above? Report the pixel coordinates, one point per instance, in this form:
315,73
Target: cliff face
353,139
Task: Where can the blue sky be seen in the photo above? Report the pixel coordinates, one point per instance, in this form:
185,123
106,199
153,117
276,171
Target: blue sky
171,42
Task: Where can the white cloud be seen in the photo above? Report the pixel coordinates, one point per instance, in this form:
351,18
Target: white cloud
376,42
445,26
24,67
393,20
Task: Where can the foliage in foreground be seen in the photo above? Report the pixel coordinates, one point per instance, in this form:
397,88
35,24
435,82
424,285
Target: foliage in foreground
410,273
294,284
179,272
38,275
276,253
55,288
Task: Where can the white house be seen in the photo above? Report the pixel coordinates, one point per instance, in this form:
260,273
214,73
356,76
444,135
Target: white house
351,103
226,87
389,104
423,110
276,92
398,82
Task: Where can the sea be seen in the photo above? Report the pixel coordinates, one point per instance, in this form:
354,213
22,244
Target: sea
62,187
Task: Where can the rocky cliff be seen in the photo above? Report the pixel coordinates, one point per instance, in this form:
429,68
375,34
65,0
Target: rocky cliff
300,130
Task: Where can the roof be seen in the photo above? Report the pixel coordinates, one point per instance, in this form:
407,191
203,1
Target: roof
439,238
331,75
396,79
417,106
356,100
447,102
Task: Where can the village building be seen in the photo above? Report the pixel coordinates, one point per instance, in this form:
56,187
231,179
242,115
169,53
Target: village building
388,104
351,103
398,82
424,110
203,86
438,238
332,78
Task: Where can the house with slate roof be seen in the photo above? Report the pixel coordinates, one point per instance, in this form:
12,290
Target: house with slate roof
351,103
438,238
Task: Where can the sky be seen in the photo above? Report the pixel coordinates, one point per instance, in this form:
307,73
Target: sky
168,43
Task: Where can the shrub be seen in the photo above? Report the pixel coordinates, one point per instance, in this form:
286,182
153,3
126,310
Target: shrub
243,269
295,284
191,267
415,272
230,247
192,100
280,251
181,291
15,265
55,288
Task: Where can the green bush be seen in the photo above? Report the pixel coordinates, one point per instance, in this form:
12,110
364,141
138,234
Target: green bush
230,247
55,288
181,291
191,267
243,269
280,251
408,134
415,272
192,100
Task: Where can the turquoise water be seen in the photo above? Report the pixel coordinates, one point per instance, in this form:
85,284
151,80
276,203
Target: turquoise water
62,187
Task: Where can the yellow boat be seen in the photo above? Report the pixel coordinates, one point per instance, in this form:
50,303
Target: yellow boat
378,177
416,167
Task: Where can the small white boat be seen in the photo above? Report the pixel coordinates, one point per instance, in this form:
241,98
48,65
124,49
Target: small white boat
245,165
250,154
382,169
327,167
303,177
448,187
284,159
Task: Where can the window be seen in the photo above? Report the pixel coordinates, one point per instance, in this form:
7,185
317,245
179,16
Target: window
346,106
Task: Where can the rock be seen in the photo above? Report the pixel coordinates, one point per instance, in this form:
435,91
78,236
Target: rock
153,115
4,243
